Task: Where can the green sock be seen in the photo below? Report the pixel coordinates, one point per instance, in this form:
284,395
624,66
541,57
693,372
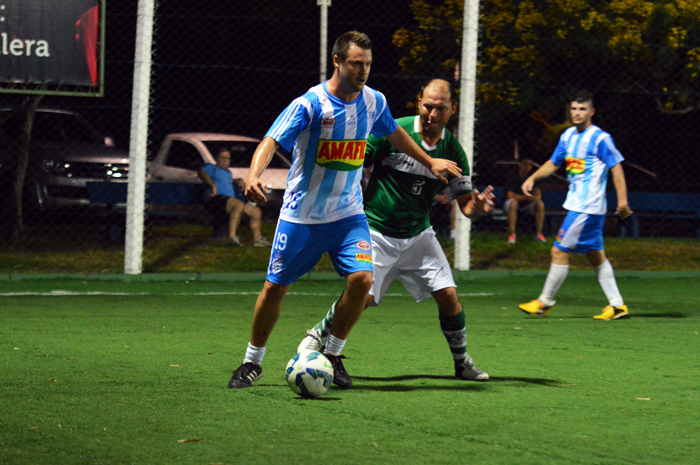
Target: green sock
455,330
326,324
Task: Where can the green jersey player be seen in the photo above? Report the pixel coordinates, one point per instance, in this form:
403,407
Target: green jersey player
398,200
400,192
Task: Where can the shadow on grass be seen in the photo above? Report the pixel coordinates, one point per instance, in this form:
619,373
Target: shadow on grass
520,379
325,398
659,315
477,385
405,388
632,315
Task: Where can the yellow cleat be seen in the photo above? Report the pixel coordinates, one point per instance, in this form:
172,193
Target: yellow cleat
535,308
613,313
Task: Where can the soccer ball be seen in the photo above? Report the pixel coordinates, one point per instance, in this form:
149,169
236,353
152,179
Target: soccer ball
309,374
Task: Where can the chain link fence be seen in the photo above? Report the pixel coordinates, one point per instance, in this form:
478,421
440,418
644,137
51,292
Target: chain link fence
223,71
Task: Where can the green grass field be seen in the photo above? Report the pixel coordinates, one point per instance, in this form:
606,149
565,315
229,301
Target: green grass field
113,372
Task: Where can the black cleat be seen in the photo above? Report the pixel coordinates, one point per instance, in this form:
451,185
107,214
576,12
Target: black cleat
244,376
341,378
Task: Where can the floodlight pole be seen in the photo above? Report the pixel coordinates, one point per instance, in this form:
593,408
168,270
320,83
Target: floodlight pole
467,105
136,193
324,4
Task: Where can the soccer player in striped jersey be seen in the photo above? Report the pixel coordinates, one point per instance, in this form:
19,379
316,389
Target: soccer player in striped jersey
589,153
326,130
398,200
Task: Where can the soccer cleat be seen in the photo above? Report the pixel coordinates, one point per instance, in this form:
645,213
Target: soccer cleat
340,376
262,242
234,240
540,238
244,376
613,313
512,239
535,308
312,342
467,371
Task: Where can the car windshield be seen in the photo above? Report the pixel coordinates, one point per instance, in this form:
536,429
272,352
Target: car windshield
242,153
51,127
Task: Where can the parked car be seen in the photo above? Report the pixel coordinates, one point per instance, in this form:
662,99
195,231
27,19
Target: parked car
65,150
182,155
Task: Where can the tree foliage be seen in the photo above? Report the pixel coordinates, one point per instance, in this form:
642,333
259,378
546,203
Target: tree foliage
531,48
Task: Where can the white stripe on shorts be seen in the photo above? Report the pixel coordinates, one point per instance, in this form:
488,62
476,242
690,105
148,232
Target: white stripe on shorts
572,235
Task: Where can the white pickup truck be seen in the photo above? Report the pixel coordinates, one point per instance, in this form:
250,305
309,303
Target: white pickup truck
172,174
182,155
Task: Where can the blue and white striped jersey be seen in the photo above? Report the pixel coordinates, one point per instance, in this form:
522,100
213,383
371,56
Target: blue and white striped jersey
588,156
327,138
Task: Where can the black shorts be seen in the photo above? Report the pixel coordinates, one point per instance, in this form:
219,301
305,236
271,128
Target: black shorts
216,206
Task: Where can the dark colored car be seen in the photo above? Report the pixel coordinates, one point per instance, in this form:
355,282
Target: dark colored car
66,151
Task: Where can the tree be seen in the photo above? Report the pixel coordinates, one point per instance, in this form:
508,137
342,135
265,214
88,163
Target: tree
533,49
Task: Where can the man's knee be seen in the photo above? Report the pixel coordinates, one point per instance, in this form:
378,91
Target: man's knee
559,257
234,205
448,301
359,282
254,212
513,207
273,292
596,257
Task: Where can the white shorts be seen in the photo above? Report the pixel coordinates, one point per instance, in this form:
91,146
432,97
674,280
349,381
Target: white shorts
419,263
527,207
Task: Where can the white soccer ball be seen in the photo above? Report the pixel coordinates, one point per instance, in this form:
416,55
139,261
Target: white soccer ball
309,374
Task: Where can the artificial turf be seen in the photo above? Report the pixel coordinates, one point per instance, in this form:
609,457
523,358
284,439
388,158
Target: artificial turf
108,372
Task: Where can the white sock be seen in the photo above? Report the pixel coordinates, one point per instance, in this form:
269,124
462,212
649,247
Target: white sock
555,278
254,354
334,345
606,278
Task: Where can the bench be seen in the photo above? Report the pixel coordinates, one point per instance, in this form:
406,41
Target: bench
161,199
551,216
645,205
661,206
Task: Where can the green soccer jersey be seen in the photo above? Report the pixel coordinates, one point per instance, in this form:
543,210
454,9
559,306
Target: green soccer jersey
400,192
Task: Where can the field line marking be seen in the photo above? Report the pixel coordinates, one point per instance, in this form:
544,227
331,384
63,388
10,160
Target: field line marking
59,293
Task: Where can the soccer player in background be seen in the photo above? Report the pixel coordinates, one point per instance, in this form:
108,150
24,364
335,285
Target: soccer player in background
326,131
589,153
398,200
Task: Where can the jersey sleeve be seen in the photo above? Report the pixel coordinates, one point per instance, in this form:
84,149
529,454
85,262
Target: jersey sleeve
291,122
209,169
384,124
608,152
375,145
559,152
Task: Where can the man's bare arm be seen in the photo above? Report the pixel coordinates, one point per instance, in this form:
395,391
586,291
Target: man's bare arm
254,188
206,180
618,174
545,170
477,204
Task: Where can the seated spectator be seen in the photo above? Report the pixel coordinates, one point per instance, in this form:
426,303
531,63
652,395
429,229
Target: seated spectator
516,202
225,196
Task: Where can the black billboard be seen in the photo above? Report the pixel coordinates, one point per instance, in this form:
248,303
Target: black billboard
50,42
